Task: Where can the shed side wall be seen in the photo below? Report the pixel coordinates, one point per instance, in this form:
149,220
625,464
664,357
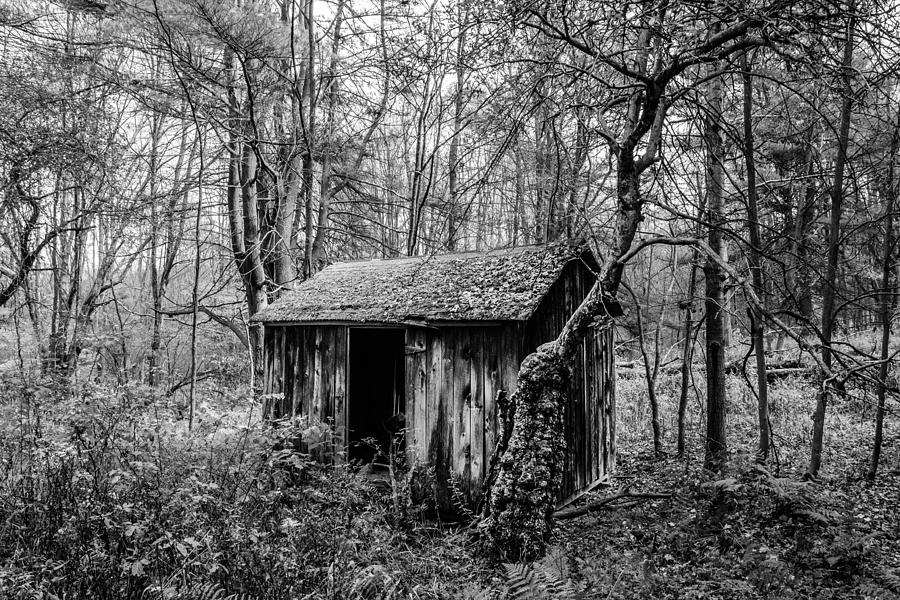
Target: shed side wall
589,420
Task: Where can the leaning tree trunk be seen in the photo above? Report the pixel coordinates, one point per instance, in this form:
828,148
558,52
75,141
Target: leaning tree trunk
524,494
518,523
522,499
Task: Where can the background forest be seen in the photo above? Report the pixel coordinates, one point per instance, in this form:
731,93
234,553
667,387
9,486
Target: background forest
170,167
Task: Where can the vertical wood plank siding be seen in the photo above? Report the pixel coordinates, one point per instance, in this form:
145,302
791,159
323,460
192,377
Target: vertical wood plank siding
454,413
308,364
588,426
416,391
453,375
341,371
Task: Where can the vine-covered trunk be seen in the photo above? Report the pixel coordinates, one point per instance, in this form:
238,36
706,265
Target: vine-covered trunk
530,471
523,496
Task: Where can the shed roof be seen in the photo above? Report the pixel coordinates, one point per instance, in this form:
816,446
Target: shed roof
497,285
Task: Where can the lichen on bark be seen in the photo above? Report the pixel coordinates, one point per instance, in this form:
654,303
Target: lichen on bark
530,472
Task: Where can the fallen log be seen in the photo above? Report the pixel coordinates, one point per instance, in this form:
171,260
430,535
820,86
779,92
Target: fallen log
789,371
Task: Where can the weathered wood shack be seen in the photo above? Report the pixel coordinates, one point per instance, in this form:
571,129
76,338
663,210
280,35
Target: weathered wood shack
436,339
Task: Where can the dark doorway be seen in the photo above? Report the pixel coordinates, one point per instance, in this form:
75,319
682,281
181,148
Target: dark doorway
376,403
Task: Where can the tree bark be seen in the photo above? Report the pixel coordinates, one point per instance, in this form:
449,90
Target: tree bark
309,94
327,187
455,209
687,353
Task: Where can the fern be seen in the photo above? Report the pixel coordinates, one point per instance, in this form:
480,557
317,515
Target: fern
890,578
546,579
211,591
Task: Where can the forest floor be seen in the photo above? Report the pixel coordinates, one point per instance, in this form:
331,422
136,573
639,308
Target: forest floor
749,532
107,494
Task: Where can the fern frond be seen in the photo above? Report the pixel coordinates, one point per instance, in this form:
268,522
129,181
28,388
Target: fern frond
544,580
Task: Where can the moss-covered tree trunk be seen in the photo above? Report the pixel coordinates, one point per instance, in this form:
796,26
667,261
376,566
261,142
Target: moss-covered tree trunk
530,471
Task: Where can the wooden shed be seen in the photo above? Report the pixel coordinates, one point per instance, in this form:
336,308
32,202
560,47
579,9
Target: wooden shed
436,339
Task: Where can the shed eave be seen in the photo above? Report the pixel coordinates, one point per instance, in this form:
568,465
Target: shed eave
432,323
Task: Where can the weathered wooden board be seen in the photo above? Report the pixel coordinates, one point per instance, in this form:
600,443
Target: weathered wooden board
462,399
326,415
416,392
477,425
493,382
444,420
338,416
610,401
595,403
435,423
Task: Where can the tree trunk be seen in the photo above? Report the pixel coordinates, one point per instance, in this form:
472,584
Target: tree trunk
309,95
518,523
156,291
455,210
754,257
544,196
327,186
650,374
834,243
519,197
524,494
804,236
687,353
518,519
716,446
160,274
888,296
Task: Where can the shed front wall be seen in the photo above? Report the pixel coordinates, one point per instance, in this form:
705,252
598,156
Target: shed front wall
453,376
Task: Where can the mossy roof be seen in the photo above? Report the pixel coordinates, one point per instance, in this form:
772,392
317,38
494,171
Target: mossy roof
497,285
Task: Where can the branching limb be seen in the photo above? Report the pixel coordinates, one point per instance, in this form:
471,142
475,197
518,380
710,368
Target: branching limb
625,494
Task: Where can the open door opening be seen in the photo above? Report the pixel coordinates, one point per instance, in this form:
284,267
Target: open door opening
376,400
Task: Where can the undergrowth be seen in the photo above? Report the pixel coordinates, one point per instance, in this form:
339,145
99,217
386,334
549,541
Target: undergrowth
104,493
